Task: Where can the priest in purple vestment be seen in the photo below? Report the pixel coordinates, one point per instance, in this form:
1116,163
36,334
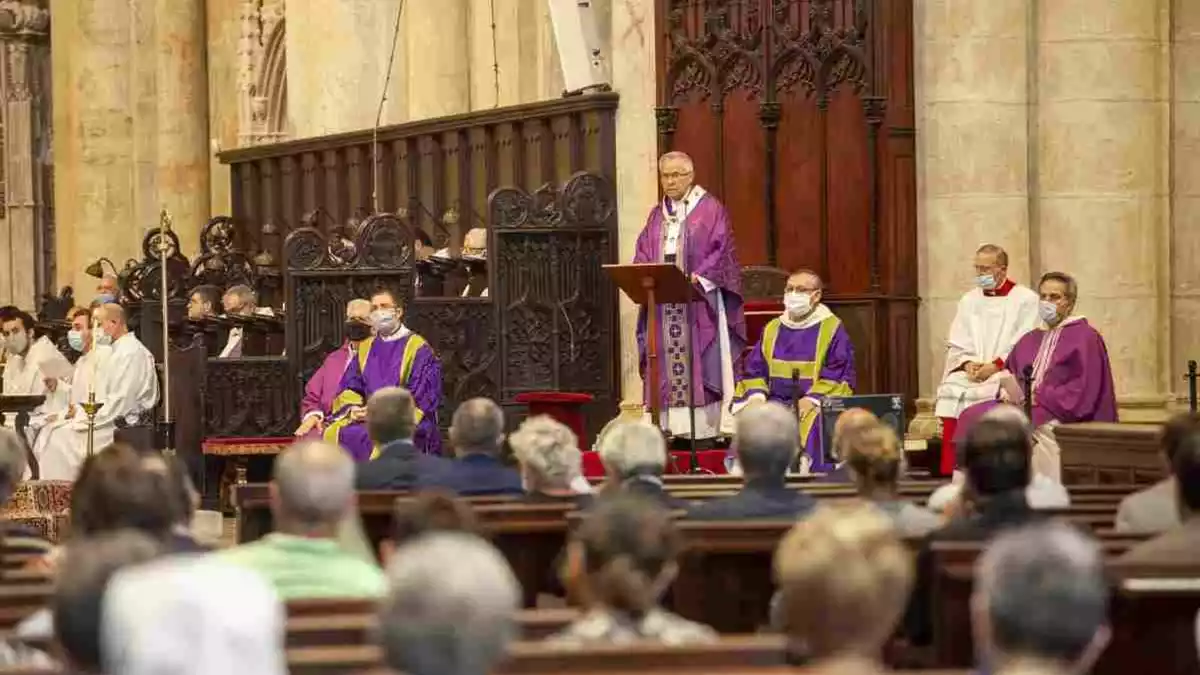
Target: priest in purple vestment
691,230
1072,378
325,384
803,356
393,357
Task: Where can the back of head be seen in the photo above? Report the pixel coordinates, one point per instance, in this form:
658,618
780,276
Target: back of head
184,498
767,439
1041,592
80,585
12,463
114,489
844,578
631,448
997,456
629,545
152,614
391,415
314,485
850,423
477,427
430,511
1175,431
548,453
874,455
1186,467
450,607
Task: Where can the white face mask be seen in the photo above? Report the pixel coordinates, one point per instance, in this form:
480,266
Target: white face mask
103,339
1048,311
986,281
797,304
385,321
17,344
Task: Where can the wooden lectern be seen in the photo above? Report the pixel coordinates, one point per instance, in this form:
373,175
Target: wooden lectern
648,285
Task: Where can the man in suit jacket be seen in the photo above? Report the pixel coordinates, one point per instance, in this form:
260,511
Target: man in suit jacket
634,455
766,443
1156,508
391,423
477,435
1180,545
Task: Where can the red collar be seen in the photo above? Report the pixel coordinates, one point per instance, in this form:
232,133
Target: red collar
1002,290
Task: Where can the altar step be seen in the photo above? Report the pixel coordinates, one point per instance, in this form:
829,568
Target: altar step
43,506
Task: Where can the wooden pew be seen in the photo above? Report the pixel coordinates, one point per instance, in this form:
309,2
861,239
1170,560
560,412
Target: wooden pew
17,602
314,630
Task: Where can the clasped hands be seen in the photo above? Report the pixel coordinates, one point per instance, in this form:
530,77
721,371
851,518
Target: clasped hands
979,372
357,413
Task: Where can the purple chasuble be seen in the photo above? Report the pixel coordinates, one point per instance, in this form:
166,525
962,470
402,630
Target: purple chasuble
1076,383
385,362
325,384
706,248
822,357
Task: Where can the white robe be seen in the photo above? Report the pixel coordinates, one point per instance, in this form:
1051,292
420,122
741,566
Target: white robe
58,422
127,385
23,376
984,329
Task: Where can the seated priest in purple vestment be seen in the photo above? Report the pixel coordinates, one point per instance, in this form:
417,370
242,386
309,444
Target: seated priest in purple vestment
803,356
326,383
690,229
393,357
1072,378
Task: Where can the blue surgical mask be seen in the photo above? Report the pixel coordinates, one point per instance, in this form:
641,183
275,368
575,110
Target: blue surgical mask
385,321
75,339
1048,311
105,299
986,281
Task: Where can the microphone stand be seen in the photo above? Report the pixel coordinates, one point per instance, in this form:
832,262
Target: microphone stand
168,425
1191,380
1027,387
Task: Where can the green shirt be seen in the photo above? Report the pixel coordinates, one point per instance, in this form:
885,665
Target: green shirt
302,567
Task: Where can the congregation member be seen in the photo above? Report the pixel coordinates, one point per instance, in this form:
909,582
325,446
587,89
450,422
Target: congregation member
550,460
988,322
875,461
1072,378
1156,508
32,367
843,576
203,302
185,500
325,384
394,357
127,386
391,424
803,356
1040,602
477,436
848,425
450,607
312,494
766,442
1179,545
427,512
83,381
634,456
619,562
700,341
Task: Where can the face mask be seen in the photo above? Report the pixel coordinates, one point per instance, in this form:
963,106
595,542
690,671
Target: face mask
986,281
1048,311
357,331
384,321
797,304
17,343
104,339
75,339
106,298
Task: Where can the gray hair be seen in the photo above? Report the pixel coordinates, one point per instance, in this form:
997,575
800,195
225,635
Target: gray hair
1044,590
548,450
1000,253
12,463
1064,279
391,415
632,447
242,292
477,426
451,606
1010,414
315,483
677,155
767,439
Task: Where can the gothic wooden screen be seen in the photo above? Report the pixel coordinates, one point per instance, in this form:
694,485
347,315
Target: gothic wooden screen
799,115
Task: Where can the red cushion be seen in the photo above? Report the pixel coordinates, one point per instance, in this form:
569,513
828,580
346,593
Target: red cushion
758,314
566,397
710,460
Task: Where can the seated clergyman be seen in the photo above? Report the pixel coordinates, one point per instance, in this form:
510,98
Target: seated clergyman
803,356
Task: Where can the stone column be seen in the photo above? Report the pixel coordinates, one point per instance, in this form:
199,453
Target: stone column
1185,236
337,59
972,70
1102,178
437,41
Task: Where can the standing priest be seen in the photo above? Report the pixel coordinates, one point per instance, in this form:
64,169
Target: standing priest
989,320
804,355
690,229
394,357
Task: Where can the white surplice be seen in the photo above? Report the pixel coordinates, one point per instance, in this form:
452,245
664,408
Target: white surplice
57,430
23,376
127,385
985,328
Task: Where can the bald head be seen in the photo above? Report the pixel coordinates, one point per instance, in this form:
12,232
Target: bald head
477,428
767,440
111,319
312,487
850,425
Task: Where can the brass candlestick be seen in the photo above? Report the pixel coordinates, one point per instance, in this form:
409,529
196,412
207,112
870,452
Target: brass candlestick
90,408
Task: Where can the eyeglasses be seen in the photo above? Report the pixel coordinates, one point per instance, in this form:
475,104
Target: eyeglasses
797,289
669,175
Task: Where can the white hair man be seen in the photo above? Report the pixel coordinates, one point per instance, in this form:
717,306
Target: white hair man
312,494
634,455
690,229
1040,602
550,459
766,444
450,608
989,321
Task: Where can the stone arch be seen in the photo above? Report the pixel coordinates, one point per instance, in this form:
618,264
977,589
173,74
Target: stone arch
272,82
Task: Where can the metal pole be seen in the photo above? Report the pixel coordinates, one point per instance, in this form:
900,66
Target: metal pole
164,232
1027,385
1191,378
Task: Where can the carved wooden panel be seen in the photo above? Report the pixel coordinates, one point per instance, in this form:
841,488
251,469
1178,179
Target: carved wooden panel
248,397
463,333
799,115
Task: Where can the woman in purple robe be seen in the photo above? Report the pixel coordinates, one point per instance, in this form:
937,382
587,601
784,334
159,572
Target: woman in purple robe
690,229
